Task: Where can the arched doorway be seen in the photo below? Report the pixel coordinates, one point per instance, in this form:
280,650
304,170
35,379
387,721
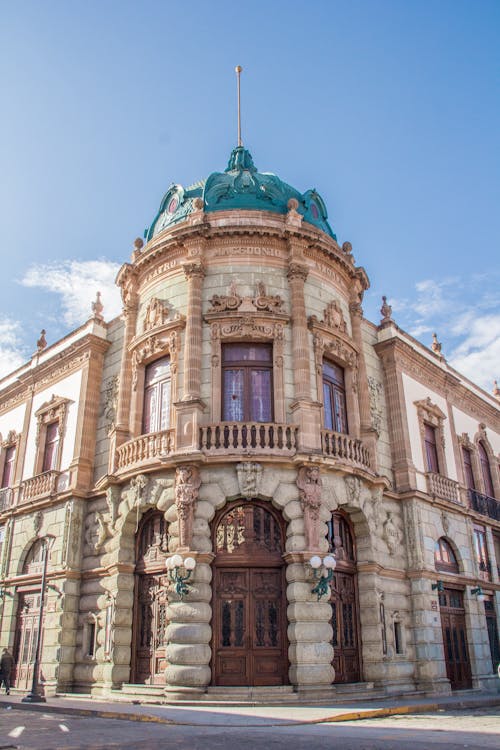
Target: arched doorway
150,601
28,619
249,645
344,601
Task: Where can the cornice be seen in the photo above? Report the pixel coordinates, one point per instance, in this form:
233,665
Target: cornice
442,381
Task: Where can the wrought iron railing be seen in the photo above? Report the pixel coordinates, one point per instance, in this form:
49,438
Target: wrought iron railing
440,486
145,448
39,485
244,437
346,448
484,504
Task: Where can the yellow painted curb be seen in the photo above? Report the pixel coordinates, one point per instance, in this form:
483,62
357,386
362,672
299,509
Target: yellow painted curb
379,712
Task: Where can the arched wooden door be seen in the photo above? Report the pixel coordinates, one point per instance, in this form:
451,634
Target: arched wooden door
344,602
249,645
150,601
28,620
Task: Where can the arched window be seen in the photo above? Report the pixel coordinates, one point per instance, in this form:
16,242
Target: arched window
485,471
34,559
444,557
334,401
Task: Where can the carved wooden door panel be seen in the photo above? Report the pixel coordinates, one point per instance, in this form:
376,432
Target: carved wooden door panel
249,645
250,627
344,621
151,623
25,643
456,650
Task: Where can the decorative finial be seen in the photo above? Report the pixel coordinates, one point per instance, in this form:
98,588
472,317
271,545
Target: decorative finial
385,311
98,307
496,390
238,70
42,342
436,345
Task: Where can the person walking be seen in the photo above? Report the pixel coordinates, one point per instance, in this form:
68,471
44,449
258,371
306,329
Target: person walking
6,664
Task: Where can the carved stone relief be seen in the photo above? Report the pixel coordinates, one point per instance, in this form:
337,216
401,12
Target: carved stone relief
392,535
260,302
157,313
310,487
110,401
249,475
375,392
95,531
187,484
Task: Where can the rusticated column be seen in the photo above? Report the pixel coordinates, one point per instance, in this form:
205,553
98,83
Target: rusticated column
297,274
194,272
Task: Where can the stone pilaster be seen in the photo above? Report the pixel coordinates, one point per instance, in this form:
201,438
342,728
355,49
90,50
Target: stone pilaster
306,413
368,434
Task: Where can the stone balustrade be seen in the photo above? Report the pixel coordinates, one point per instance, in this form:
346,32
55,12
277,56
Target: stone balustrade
146,448
349,449
39,485
440,486
248,437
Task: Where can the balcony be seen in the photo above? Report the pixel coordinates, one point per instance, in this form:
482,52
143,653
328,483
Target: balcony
248,438
345,448
487,506
39,486
150,448
440,486
6,498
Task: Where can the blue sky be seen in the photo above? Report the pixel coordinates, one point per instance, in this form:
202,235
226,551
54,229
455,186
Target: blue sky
389,108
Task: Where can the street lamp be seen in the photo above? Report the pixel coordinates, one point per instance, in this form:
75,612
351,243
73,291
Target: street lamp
35,696
323,573
478,591
179,572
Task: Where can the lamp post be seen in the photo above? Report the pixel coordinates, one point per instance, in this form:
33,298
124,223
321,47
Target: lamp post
35,696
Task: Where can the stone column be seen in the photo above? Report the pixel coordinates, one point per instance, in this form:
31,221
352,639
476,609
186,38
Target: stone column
121,431
188,635
309,631
368,433
306,413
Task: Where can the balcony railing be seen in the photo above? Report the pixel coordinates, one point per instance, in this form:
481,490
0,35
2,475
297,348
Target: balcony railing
6,498
487,506
40,485
340,446
440,486
146,448
248,437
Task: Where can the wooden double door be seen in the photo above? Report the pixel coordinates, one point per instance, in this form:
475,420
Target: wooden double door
345,626
456,651
249,644
28,622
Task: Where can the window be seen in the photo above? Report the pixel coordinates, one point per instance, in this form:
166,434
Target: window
247,376
51,445
485,471
430,444
334,397
398,637
481,552
157,390
469,474
8,466
444,557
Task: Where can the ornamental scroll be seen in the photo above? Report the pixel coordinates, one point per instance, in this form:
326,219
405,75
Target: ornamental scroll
187,485
310,487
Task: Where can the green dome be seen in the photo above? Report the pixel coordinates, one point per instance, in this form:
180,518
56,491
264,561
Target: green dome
241,186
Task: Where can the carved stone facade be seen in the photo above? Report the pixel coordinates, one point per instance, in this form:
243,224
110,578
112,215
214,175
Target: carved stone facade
241,265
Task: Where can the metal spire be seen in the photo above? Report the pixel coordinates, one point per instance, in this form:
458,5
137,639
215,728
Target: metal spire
238,70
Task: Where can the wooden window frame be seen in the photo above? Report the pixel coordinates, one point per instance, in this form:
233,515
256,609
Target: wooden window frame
158,386
334,386
54,411
11,443
442,565
247,366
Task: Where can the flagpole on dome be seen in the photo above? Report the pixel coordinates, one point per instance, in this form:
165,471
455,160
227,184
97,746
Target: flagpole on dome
238,70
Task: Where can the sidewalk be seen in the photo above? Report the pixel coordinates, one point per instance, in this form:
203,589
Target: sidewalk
224,715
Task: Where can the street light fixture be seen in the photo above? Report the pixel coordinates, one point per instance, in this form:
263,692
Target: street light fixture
438,586
35,695
323,573
478,591
179,572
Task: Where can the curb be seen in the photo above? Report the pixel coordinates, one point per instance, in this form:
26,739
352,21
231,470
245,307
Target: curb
375,713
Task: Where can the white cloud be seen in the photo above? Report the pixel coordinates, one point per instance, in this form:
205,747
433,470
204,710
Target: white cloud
478,355
12,355
77,283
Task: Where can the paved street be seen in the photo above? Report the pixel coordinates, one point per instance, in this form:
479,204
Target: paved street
33,730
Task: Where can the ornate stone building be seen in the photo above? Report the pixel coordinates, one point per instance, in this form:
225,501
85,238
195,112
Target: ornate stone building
244,414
